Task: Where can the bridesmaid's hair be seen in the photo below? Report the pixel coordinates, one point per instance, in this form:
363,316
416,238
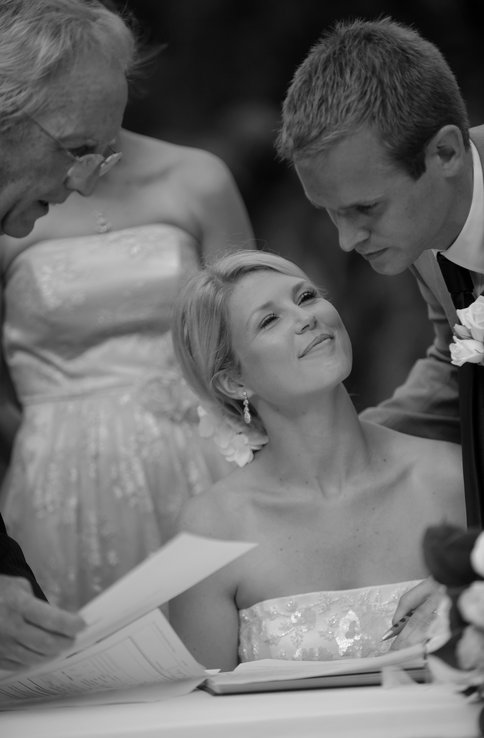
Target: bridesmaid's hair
201,327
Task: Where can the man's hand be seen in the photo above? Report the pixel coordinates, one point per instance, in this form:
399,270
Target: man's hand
422,601
31,630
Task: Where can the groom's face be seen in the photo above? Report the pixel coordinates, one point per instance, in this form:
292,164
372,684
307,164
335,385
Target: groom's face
380,211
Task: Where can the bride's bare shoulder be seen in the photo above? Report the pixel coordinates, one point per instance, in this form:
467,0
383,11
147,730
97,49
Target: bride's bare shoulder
215,512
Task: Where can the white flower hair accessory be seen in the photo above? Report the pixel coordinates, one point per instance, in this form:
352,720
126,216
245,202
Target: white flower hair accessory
468,343
236,443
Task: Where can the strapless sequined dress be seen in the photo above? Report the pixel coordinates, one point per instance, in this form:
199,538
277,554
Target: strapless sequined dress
320,626
108,448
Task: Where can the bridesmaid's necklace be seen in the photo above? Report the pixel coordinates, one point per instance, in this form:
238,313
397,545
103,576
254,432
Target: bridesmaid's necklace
102,223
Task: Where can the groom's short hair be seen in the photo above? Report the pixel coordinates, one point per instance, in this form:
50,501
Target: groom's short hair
380,74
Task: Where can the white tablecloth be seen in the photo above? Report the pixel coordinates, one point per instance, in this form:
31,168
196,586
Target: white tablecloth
419,711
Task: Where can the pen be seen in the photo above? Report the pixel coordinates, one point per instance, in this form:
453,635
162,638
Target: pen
397,627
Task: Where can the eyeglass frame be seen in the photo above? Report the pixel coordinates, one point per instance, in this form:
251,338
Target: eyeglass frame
87,164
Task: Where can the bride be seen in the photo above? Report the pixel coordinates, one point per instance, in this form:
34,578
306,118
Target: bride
336,505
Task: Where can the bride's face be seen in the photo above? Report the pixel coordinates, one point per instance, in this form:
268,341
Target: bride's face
289,340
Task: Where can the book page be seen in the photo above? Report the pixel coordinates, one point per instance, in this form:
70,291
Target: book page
145,652
128,642
267,670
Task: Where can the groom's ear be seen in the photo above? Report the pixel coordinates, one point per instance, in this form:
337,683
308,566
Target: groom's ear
231,385
446,151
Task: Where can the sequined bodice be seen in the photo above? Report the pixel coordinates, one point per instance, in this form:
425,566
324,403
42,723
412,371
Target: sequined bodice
320,625
92,313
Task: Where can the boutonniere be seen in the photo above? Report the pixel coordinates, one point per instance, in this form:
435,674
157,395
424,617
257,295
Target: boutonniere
468,342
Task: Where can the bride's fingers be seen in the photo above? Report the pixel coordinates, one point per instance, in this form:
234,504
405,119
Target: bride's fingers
412,599
417,626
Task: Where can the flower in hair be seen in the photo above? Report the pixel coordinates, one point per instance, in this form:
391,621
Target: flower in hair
236,443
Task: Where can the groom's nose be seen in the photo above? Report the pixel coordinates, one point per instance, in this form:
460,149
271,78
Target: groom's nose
350,235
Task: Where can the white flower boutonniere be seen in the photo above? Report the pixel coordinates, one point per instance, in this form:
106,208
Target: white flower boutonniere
236,444
468,343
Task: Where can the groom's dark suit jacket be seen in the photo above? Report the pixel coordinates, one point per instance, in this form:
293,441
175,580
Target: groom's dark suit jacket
12,561
427,403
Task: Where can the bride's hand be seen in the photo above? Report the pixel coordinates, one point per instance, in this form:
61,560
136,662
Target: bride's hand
422,601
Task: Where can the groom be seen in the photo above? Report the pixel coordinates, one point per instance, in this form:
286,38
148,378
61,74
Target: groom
377,130
63,66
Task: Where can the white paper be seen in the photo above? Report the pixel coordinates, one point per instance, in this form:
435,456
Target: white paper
129,644
181,563
145,652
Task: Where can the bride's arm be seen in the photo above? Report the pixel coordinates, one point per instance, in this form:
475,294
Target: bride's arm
206,619
206,616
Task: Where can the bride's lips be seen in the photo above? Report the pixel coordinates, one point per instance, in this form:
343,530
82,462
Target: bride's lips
315,342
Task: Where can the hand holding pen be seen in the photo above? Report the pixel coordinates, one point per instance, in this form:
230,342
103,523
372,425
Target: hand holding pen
412,618
397,627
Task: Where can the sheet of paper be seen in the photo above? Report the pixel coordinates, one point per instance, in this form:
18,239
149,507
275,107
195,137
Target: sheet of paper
128,643
266,670
146,652
181,563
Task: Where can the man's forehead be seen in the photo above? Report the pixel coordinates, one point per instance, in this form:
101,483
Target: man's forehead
345,181
90,109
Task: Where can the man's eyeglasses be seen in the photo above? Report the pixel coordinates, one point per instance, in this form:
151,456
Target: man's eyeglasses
86,169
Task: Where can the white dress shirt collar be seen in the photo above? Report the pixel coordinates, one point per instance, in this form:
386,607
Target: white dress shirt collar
468,248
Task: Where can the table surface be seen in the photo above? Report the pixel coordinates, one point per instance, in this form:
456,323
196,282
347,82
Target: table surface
416,711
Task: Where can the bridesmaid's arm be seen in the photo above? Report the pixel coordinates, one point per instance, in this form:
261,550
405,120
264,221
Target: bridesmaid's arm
224,224
10,411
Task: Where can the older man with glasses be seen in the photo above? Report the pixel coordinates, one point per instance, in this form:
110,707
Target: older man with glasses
63,90
86,168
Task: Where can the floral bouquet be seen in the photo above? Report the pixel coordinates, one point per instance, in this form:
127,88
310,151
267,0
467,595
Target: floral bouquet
455,559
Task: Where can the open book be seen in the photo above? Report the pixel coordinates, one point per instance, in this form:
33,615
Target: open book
129,651
269,675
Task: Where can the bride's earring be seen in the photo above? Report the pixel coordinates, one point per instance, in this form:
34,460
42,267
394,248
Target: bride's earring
247,415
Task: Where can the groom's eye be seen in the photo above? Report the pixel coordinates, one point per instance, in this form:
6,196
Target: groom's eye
366,209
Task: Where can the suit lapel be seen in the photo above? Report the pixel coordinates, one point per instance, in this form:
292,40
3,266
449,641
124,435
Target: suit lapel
426,266
429,272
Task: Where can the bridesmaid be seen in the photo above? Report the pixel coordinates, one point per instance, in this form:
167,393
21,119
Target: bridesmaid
103,430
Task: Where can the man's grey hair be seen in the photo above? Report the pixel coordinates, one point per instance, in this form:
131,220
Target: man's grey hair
42,39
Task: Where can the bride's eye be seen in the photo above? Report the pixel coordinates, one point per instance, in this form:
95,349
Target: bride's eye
267,320
309,294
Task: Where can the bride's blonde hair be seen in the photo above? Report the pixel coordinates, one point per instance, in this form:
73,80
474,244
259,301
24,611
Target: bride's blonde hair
201,327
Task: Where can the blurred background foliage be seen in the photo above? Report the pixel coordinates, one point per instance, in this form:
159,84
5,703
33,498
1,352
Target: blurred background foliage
217,82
